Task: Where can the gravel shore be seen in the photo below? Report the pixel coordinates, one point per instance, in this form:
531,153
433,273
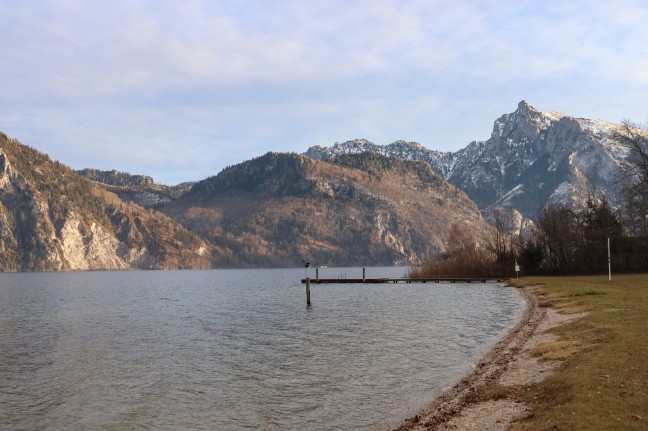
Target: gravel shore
509,363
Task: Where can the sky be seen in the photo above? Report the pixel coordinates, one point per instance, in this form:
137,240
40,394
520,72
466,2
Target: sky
179,90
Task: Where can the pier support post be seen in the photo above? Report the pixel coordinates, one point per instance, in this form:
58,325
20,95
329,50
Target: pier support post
363,275
317,275
308,301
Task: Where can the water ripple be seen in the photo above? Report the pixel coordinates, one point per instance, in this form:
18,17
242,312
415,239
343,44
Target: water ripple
233,349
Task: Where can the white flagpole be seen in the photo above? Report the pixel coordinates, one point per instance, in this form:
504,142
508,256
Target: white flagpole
609,262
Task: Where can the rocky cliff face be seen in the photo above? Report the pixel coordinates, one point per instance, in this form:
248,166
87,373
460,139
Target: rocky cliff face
531,157
352,210
52,219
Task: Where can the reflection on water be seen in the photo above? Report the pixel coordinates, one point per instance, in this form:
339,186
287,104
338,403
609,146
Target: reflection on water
234,349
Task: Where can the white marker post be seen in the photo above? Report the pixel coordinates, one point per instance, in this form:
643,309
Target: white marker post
609,262
517,270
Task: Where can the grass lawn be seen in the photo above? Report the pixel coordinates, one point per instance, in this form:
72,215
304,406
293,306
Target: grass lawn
603,381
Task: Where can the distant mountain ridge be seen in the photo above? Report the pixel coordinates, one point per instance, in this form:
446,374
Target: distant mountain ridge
531,157
362,209
441,162
139,189
116,178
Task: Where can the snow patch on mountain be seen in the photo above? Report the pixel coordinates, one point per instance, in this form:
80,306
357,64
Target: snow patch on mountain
562,194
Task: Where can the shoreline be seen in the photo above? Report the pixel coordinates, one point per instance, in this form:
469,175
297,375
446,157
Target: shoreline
508,363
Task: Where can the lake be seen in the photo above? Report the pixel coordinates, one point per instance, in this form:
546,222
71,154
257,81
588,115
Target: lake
235,349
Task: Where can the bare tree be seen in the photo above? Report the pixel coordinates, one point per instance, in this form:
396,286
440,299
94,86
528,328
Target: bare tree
464,257
634,172
500,241
599,222
560,232
635,210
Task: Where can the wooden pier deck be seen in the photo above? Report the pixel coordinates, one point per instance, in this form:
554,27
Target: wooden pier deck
342,279
401,280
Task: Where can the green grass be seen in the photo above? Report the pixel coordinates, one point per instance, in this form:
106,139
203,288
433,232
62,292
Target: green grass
603,381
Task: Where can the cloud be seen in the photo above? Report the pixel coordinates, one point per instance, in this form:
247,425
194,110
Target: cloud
203,83
96,48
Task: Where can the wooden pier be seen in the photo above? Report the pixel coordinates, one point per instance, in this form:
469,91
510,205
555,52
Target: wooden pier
385,280
400,280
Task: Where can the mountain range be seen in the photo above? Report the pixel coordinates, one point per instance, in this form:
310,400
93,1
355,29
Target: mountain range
531,157
355,203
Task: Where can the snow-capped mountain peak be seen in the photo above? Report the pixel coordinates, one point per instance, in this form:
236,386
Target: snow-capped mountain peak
530,157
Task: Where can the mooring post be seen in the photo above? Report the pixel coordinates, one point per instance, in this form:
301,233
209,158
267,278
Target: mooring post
363,275
308,302
317,275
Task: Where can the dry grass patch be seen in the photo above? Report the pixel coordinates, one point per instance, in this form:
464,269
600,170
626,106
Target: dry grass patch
574,309
557,350
571,307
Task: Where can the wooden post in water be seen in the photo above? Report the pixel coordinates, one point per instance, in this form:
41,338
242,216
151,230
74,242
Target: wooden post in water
317,274
363,275
308,301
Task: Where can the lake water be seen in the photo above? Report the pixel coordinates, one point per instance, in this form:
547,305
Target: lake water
235,349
